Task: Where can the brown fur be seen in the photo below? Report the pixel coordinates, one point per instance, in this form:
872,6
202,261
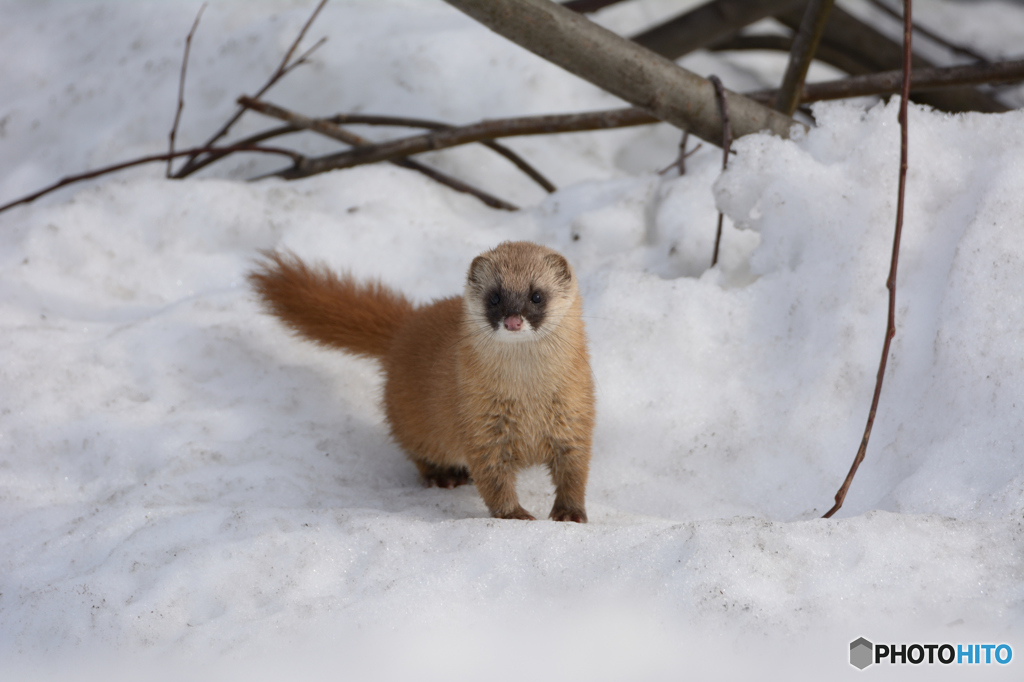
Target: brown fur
464,396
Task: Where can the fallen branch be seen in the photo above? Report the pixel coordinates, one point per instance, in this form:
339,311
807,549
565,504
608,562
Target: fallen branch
181,86
890,328
621,67
71,179
282,70
394,121
442,138
805,45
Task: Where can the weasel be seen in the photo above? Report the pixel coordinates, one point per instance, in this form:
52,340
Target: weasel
476,386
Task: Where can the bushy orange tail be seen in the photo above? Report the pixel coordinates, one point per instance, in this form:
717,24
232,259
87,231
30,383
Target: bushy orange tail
332,310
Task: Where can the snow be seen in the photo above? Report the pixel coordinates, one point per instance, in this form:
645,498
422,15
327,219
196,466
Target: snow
186,487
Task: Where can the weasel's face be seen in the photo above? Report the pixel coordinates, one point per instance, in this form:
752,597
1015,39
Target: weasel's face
519,291
513,313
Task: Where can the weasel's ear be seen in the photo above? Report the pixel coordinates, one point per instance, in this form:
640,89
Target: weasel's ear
560,266
478,271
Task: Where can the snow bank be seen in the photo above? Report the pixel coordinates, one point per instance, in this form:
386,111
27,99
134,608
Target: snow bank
182,480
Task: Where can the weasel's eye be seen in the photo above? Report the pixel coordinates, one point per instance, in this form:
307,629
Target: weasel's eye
495,299
536,298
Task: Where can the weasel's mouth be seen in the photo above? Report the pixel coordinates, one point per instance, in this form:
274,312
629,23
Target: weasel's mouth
514,328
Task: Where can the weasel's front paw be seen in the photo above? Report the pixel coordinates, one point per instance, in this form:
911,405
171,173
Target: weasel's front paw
517,513
446,477
577,515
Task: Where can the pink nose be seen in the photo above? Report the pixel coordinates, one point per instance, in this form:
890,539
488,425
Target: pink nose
513,323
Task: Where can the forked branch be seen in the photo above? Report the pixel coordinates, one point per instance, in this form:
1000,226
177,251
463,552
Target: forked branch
283,69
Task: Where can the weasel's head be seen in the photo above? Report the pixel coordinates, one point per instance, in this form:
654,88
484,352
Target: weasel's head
519,291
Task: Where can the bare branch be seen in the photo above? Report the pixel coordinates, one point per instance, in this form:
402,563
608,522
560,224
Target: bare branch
282,69
621,67
805,45
890,82
71,179
181,85
890,329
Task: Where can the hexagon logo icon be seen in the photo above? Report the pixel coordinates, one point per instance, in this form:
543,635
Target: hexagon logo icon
861,651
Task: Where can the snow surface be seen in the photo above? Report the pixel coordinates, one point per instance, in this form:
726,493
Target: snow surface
184,486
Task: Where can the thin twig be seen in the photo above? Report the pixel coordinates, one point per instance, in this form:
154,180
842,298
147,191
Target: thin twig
805,45
680,162
71,179
890,329
181,85
723,104
456,184
931,35
282,69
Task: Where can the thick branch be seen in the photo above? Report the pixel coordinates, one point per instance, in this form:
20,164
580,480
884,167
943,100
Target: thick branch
805,45
621,67
716,20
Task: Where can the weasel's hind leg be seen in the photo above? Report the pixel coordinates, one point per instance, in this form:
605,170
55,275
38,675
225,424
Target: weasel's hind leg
442,476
